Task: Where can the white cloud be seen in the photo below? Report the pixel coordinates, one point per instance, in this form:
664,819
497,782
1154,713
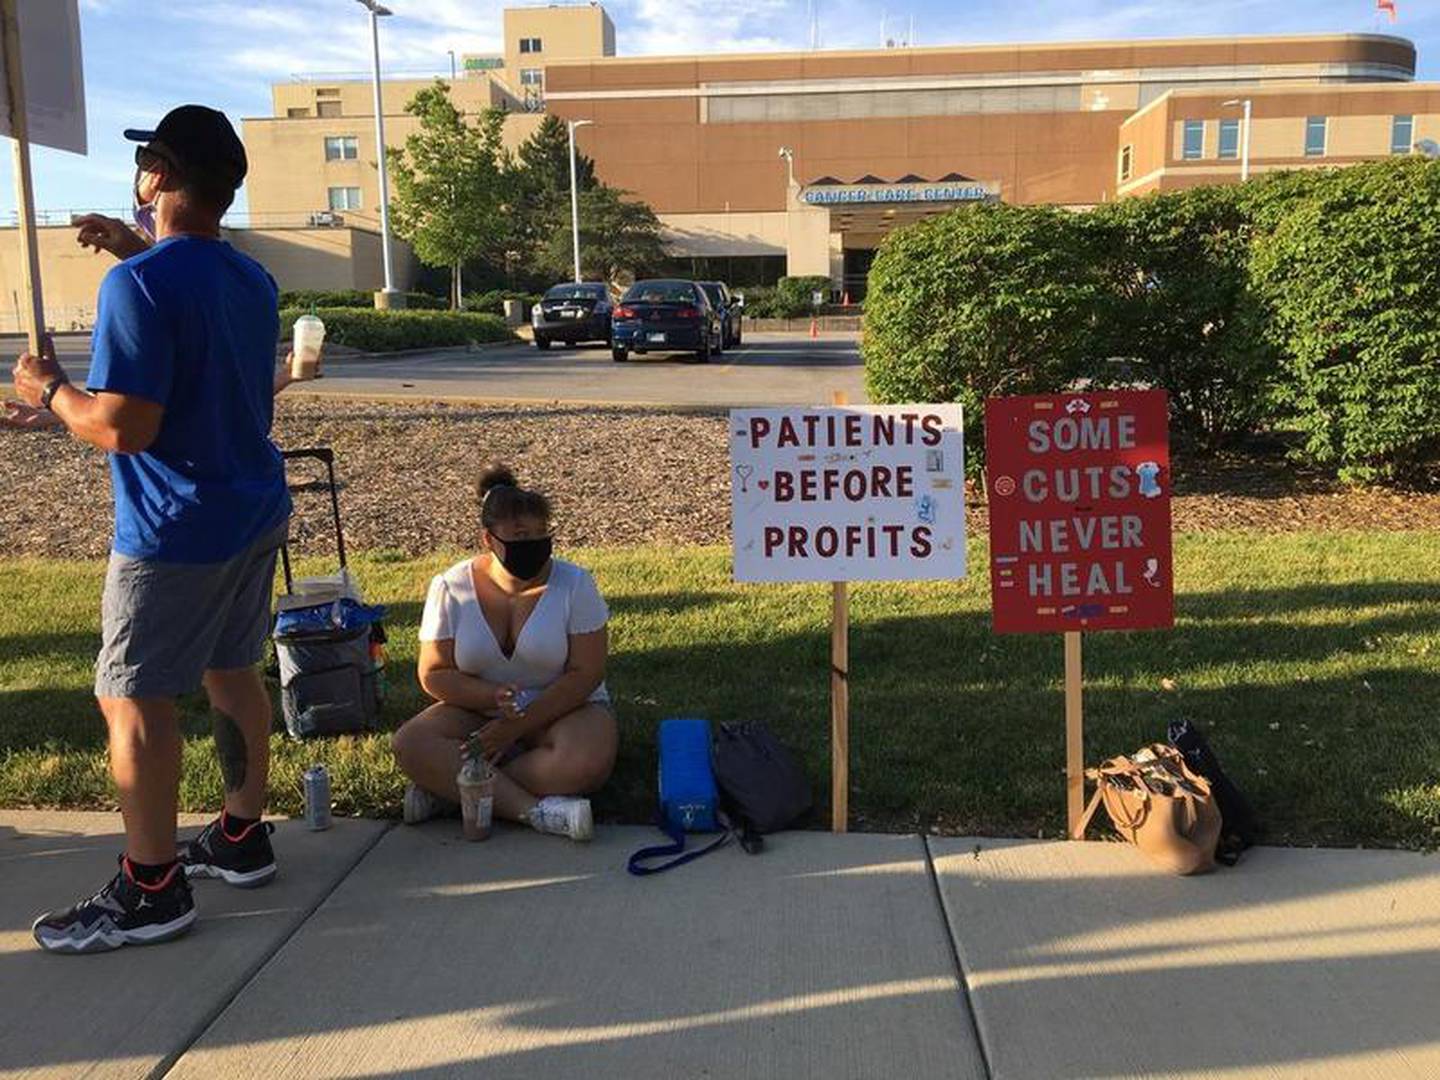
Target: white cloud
686,27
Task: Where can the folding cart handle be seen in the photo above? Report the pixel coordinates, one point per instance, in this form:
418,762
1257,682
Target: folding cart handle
326,456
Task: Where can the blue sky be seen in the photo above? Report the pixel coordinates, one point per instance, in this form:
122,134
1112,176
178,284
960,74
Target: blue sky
142,57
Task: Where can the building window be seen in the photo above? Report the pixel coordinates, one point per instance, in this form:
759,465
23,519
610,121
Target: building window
529,44
1315,136
1402,134
531,76
1230,138
1127,162
327,108
1193,148
341,148
344,198
297,114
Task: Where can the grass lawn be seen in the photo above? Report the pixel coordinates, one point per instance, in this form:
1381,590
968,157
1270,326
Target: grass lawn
1313,660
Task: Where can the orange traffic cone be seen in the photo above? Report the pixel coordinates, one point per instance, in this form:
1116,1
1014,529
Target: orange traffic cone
814,327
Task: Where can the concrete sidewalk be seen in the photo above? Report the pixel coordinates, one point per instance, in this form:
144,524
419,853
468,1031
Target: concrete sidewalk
132,1012
825,957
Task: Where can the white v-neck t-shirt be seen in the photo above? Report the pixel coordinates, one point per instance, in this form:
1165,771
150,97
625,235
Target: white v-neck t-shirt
570,604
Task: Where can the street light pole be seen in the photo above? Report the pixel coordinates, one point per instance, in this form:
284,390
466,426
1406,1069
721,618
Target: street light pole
1244,136
388,293
571,125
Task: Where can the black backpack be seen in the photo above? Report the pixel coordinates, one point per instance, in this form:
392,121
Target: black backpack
1239,827
762,790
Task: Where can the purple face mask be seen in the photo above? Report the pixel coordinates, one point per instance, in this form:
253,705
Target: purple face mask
144,212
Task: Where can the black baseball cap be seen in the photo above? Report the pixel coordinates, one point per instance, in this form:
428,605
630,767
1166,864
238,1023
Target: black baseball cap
200,141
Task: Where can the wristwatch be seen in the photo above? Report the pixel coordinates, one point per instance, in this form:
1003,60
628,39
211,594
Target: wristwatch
48,394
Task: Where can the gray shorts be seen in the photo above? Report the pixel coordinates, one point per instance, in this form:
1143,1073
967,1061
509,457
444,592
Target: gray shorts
165,624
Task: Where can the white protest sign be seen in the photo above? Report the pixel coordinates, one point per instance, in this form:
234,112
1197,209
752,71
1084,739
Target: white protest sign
54,78
852,493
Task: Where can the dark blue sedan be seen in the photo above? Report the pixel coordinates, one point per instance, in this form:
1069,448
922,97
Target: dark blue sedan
665,316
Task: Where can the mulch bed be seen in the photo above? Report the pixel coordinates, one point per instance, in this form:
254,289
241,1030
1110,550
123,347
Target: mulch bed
618,476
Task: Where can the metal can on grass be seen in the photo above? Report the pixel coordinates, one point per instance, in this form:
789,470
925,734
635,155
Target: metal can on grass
317,798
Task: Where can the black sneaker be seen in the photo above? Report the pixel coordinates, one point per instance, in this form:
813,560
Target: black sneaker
124,912
246,861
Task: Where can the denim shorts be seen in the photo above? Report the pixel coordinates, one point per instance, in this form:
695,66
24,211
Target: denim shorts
165,624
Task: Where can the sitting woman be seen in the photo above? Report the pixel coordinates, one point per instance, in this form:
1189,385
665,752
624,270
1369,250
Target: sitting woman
513,645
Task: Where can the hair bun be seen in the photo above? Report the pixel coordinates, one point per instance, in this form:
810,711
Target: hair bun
496,474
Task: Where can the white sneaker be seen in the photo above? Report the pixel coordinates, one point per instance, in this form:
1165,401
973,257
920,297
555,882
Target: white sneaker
421,805
562,815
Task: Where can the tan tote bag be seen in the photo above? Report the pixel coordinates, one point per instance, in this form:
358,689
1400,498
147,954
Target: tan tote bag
1158,804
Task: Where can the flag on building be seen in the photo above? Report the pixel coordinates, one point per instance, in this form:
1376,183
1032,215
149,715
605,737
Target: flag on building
1387,6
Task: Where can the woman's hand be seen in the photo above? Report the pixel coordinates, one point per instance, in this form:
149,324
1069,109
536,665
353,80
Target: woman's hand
507,698
496,738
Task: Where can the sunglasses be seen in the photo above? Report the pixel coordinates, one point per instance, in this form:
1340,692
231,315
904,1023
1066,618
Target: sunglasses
148,159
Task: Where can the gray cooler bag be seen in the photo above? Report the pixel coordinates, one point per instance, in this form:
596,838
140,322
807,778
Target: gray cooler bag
329,683
331,679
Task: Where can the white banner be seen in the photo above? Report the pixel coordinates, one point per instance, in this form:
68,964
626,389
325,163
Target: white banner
850,493
54,77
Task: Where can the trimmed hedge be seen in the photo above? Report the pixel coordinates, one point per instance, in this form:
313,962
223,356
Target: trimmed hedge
790,299
354,298
1301,302
1351,277
391,331
995,299
492,302
1179,312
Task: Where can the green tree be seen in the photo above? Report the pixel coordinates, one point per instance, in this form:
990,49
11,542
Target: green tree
541,187
1180,314
620,239
451,186
981,301
1351,278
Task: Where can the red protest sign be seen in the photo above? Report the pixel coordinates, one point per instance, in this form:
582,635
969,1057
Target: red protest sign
1079,490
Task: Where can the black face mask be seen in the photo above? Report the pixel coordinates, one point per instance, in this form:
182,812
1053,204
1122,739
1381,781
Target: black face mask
526,558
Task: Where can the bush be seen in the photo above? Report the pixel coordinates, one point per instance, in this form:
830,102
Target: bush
790,299
1179,313
353,298
493,301
1351,279
981,301
760,302
390,331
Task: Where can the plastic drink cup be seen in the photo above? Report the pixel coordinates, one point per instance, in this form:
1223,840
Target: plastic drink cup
477,798
309,337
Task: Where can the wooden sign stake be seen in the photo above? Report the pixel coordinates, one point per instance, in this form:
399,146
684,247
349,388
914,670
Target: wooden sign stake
1074,734
24,190
840,695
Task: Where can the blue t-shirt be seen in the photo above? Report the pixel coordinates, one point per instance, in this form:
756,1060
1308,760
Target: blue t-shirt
191,324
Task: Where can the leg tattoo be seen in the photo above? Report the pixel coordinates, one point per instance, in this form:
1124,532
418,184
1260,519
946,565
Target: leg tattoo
232,751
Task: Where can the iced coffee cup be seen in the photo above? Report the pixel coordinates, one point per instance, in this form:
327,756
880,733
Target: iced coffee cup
305,351
477,797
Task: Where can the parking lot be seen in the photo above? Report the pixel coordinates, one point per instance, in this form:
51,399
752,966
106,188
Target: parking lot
768,369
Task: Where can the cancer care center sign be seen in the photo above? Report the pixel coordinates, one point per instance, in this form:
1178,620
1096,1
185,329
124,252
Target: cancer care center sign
850,493
1080,511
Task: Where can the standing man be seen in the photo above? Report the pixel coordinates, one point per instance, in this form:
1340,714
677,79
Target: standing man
180,394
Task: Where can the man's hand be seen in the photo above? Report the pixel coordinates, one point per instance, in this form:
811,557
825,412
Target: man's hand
34,373
108,234
21,417
283,376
